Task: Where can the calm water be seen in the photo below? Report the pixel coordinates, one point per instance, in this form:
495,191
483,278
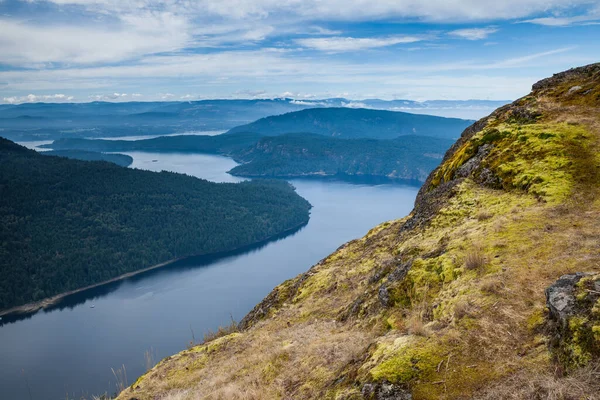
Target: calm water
69,351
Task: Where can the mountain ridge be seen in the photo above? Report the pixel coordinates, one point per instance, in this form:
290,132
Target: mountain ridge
450,301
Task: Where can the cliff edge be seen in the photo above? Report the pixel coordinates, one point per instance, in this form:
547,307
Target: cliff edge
489,289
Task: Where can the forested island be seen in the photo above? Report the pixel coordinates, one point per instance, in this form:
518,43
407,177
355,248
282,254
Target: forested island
298,155
67,224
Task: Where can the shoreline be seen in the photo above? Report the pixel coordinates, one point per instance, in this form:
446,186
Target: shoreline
31,308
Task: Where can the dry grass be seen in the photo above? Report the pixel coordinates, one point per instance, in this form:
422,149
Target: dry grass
416,326
120,375
475,258
221,331
484,215
492,285
584,384
150,359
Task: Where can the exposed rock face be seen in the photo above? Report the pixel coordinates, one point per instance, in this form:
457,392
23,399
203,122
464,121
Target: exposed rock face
574,304
560,297
385,391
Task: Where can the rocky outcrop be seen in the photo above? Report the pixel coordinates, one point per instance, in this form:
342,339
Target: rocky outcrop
574,310
385,391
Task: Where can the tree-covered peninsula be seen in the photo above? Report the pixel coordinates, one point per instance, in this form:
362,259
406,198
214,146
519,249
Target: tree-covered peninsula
67,224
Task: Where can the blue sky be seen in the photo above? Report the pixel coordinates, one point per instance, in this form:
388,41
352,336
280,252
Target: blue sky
124,50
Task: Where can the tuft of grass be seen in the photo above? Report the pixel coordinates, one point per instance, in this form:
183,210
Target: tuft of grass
484,215
149,359
221,331
475,259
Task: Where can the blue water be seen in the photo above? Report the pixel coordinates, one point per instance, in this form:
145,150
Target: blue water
68,352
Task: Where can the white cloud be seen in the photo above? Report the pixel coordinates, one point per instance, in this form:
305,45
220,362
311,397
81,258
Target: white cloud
32,98
564,21
342,44
473,33
24,43
431,10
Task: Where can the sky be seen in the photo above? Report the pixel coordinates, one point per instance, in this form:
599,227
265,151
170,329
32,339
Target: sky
143,50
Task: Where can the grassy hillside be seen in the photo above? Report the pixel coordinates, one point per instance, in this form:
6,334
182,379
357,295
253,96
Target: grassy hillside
449,302
67,224
348,123
297,155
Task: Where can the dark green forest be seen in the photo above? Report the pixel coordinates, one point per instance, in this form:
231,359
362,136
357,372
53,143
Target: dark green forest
67,224
119,159
292,155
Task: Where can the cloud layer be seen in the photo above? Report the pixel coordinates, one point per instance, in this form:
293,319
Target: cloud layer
182,49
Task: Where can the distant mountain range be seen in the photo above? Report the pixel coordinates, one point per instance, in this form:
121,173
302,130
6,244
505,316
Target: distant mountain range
49,121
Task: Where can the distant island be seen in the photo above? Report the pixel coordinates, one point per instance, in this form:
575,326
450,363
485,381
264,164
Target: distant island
301,155
67,224
353,123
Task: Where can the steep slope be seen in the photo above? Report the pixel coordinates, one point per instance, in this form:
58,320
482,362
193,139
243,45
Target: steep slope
348,123
449,302
298,155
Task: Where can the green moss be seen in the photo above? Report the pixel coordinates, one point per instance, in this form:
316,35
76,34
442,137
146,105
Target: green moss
578,346
536,319
535,158
596,309
407,359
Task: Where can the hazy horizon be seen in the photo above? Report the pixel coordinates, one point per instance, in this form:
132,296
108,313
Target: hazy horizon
85,50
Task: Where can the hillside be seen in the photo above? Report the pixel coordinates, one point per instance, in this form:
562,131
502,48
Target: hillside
449,302
300,155
119,159
348,123
67,224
